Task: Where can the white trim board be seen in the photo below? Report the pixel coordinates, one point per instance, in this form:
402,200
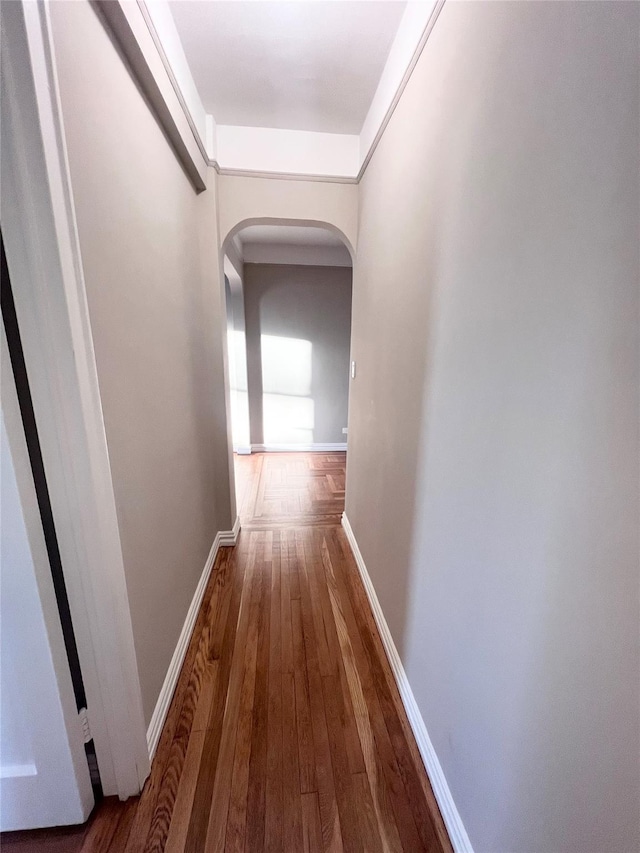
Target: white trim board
224,538
298,448
415,28
453,821
242,449
130,24
163,31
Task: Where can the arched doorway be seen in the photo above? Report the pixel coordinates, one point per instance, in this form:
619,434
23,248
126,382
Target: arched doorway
288,288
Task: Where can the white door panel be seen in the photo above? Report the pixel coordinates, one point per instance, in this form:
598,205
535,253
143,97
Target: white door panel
44,778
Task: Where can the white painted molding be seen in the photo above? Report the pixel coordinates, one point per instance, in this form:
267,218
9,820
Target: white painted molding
229,538
242,449
403,55
211,143
284,176
224,538
453,821
130,25
298,448
164,32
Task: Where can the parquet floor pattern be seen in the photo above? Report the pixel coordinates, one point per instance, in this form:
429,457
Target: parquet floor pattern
286,732
290,489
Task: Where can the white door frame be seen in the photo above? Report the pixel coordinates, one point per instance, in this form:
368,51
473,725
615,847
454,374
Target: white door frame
49,783
43,253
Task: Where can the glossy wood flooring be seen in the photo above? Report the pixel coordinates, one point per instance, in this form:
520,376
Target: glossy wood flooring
286,732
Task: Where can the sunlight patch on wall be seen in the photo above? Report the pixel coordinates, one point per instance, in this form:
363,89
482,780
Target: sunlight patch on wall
239,399
238,357
287,406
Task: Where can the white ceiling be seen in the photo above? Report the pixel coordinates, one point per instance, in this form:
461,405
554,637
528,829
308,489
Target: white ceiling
292,64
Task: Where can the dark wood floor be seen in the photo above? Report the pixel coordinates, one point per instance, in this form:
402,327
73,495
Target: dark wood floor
286,731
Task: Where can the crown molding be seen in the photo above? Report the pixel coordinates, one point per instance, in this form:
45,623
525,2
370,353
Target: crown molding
172,78
283,176
431,21
128,27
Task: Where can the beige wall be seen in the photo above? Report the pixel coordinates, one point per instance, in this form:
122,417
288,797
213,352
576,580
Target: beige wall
149,250
245,199
298,303
492,476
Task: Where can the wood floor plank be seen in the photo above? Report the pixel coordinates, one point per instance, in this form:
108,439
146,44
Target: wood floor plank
163,810
342,778
294,579
256,796
306,755
414,834
123,829
285,605
291,800
311,828
329,818
100,834
274,793
378,786
221,794
237,815
177,834
419,790
178,717
199,818
368,823
311,573
351,739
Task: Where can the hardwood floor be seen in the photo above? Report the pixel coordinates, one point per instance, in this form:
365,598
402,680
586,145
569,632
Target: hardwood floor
286,731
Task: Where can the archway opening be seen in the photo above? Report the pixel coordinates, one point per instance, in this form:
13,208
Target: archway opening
288,289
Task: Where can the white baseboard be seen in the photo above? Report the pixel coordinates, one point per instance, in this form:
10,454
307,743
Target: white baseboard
230,537
300,448
223,538
242,449
453,822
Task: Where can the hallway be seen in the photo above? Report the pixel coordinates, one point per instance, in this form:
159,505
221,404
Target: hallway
286,732
405,231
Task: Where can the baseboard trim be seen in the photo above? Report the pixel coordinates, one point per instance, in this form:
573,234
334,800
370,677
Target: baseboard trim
224,538
300,448
453,822
230,537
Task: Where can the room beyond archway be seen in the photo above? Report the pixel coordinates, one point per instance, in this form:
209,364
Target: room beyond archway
288,290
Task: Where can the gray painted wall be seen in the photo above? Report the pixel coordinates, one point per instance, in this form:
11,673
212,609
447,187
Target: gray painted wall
151,268
492,478
305,313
